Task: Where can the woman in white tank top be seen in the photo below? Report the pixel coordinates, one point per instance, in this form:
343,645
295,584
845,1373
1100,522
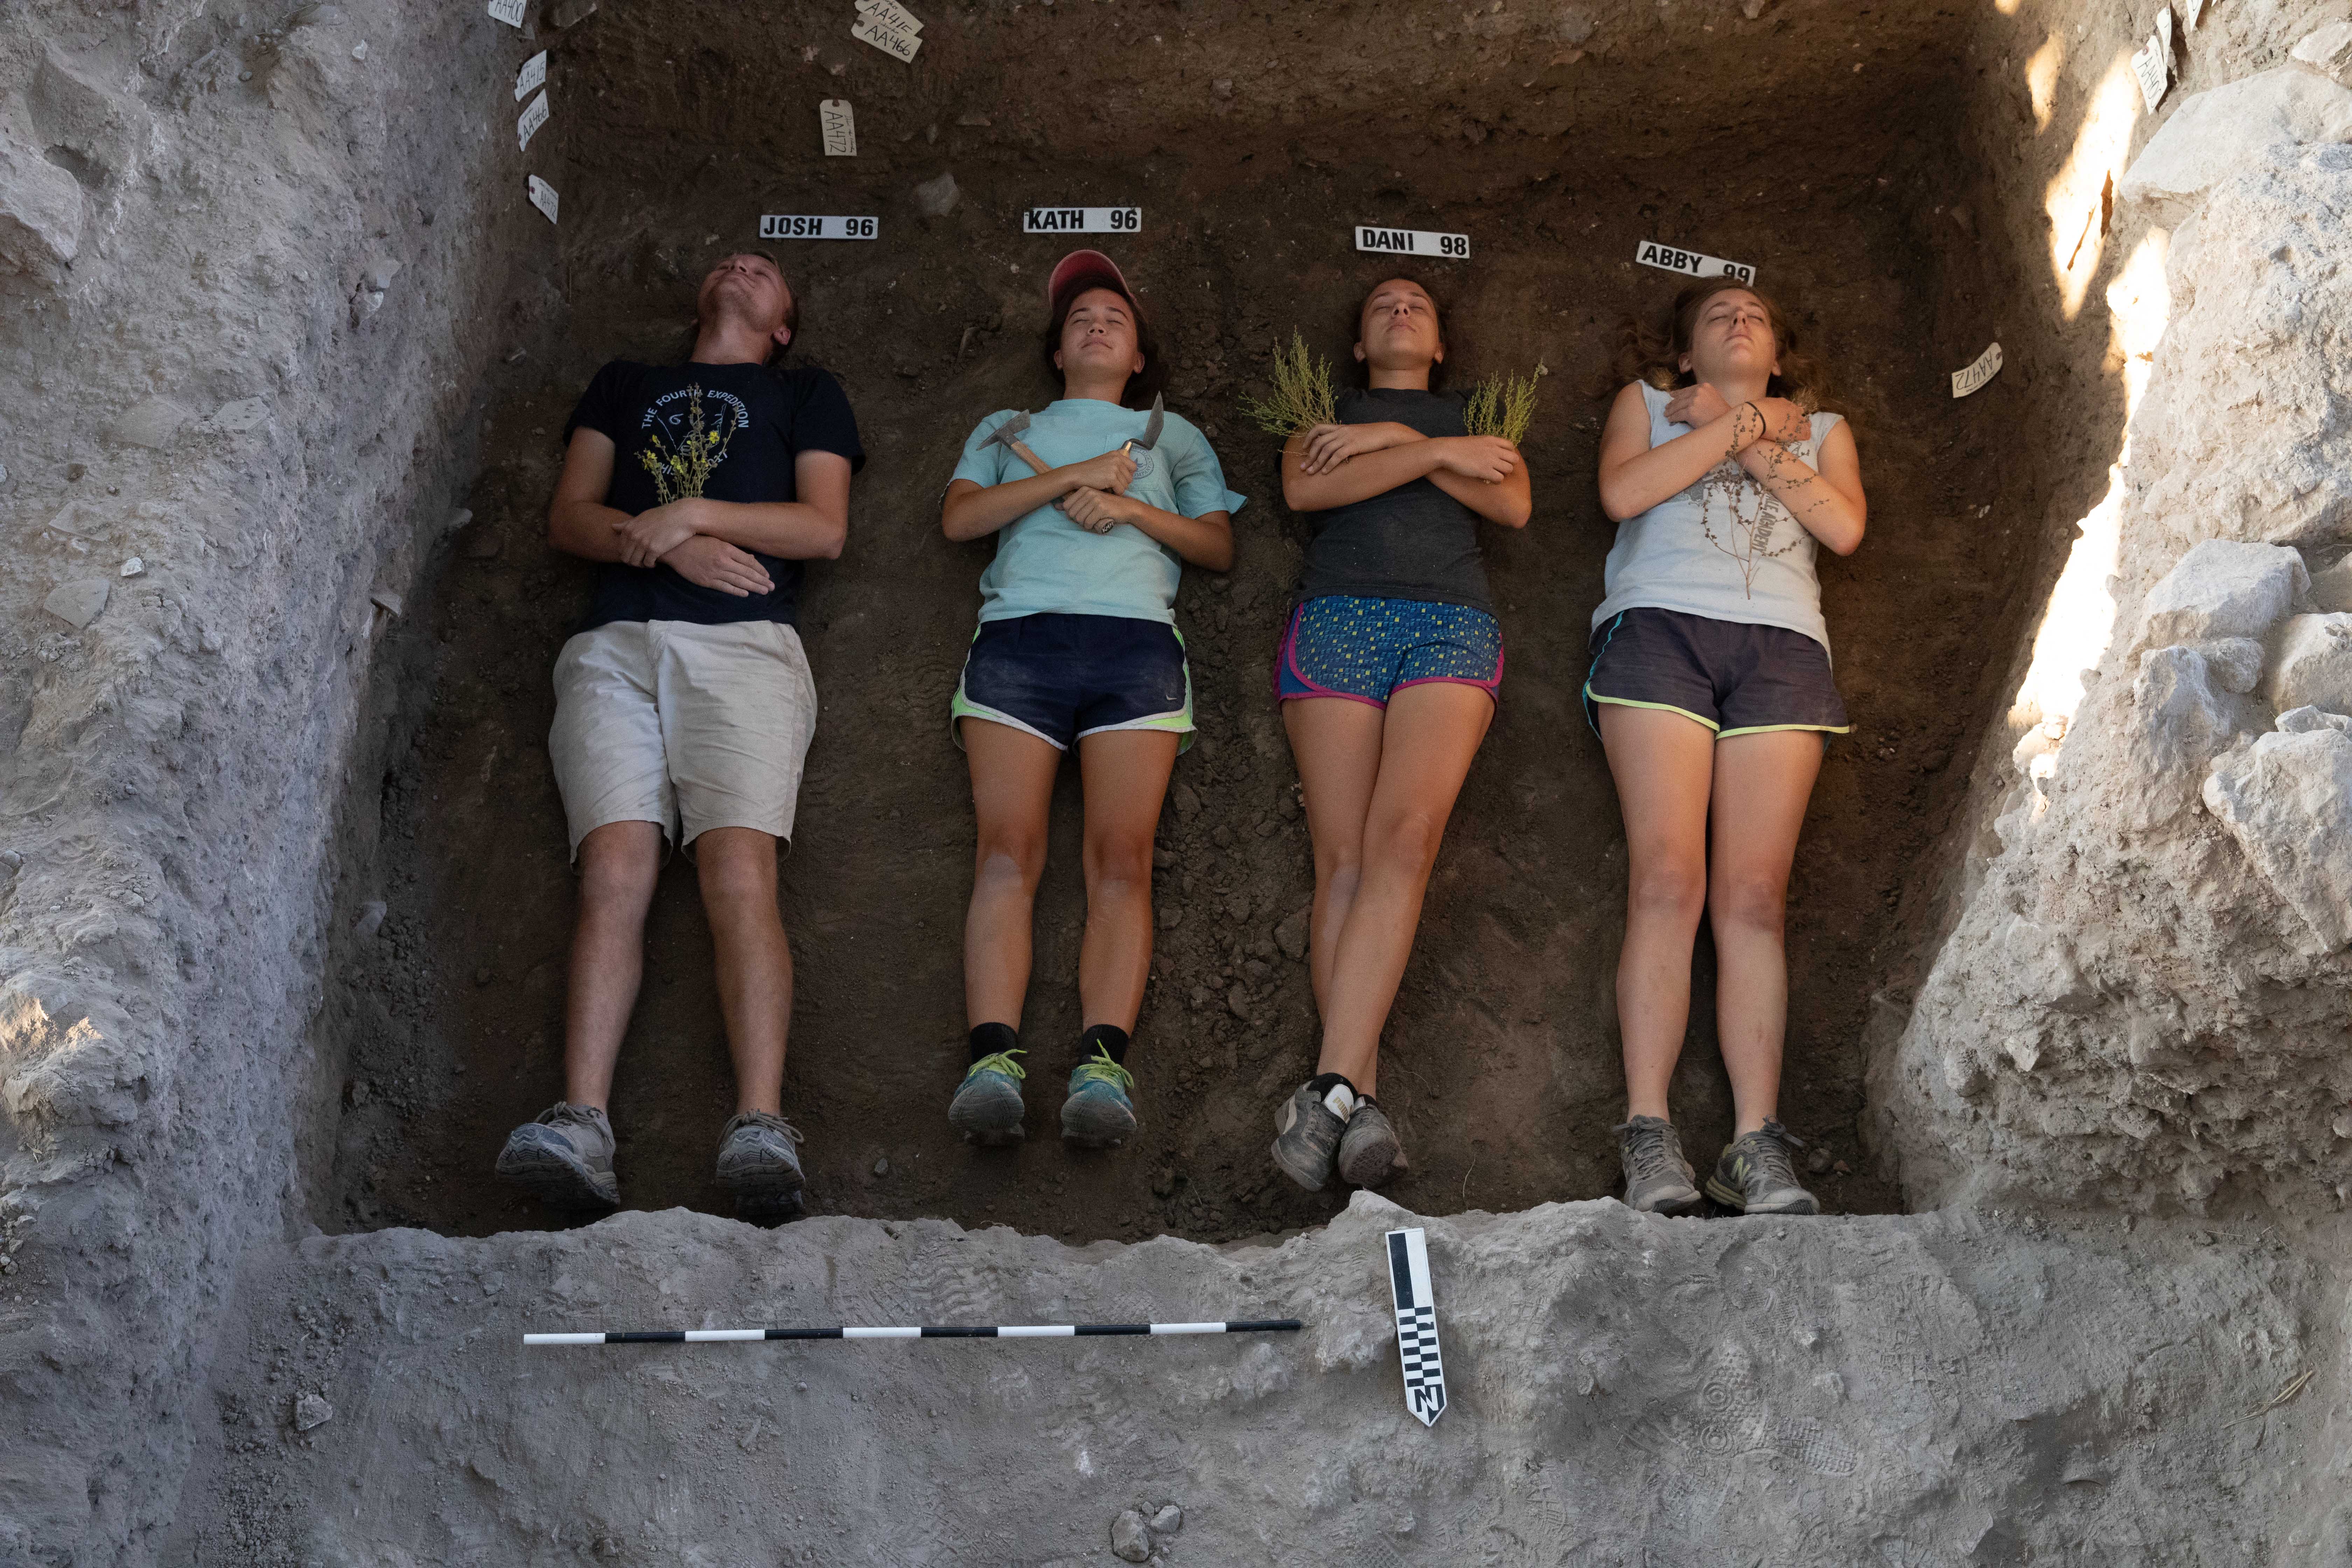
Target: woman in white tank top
1710,686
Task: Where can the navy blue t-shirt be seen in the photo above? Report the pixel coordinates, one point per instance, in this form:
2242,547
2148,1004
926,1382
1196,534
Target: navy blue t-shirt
724,432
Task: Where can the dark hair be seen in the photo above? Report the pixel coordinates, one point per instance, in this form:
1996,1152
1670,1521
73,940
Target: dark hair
1652,352
1145,384
776,351
1356,321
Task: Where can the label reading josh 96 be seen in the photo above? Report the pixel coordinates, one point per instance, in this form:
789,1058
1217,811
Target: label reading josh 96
1690,263
1411,242
1082,220
509,11
780,226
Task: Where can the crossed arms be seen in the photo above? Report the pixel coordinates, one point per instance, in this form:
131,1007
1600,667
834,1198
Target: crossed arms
1827,501
1335,465
708,543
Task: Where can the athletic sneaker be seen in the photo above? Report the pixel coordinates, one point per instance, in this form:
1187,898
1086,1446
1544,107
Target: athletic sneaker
1307,1137
1098,1115
1658,1180
1754,1175
564,1159
987,1105
760,1162
1369,1152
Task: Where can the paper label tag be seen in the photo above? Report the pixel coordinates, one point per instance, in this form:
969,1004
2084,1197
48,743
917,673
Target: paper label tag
2196,9
783,225
1416,1324
1082,220
542,196
897,44
2154,72
532,118
509,11
1987,366
1411,242
840,126
891,14
2164,29
532,76
1690,263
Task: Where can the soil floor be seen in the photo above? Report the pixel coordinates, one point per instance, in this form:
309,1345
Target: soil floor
1500,1061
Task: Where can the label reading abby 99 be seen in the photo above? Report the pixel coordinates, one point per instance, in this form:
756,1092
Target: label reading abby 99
1082,220
782,226
1690,263
1411,242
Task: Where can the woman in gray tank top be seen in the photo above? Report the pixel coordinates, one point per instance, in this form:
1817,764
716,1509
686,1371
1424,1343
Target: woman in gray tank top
1711,691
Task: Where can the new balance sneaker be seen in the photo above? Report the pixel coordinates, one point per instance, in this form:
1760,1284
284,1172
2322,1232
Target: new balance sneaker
1370,1151
987,1107
1307,1130
1099,1114
1754,1175
564,1159
760,1162
1658,1180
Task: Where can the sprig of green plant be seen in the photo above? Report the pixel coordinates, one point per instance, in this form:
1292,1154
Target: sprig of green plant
1502,406
1302,392
679,472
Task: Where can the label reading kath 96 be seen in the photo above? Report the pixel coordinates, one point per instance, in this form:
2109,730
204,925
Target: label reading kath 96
840,128
1082,220
542,196
782,225
1690,263
1411,242
898,46
532,118
532,76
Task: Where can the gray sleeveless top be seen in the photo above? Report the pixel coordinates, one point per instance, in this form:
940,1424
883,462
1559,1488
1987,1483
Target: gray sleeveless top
1725,548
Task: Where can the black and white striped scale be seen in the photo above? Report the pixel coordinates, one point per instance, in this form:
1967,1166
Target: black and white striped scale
1416,1321
993,1331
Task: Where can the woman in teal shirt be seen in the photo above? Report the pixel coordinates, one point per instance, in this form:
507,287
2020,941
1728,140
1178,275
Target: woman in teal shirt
1076,645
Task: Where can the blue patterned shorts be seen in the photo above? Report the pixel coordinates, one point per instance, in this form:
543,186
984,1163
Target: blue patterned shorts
1364,649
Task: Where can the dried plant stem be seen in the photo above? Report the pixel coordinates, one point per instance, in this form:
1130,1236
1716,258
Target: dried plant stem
1302,393
1502,406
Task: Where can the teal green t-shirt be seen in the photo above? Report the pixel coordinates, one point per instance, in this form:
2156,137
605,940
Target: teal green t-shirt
1047,565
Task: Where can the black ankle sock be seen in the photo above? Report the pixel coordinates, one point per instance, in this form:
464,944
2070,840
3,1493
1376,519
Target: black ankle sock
1109,1038
1322,1083
990,1038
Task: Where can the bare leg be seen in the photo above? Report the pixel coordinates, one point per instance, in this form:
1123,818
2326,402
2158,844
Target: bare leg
738,866
1337,744
619,864
1663,764
1762,784
1011,794
1431,734
1126,776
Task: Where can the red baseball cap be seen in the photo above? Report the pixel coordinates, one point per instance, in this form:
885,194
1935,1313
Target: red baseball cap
1080,266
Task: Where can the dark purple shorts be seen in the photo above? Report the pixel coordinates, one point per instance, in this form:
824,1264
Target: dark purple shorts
1732,676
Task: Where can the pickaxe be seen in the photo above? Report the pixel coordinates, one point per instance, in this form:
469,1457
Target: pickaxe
1008,436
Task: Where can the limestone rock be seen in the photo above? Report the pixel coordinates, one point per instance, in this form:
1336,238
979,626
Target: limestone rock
78,604
937,198
152,424
2296,721
40,210
75,109
2331,588
2223,588
2213,134
1129,1541
2314,666
309,1411
1167,1520
245,414
1291,934
2180,722
2328,50
2288,801
2234,663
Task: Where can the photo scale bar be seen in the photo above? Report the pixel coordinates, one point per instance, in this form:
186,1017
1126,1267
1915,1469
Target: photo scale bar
990,1331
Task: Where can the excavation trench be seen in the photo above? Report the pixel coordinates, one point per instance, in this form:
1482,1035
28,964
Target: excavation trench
446,1028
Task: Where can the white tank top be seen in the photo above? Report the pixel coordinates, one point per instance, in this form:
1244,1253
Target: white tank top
1725,548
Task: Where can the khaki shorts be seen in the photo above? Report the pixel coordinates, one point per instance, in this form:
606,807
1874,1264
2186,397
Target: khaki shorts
679,723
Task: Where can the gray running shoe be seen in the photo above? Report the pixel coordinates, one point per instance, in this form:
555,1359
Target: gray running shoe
760,1162
1099,1114
1658,1180
564,1159
1369,1152
1306,1138
987,1105
1754,1175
